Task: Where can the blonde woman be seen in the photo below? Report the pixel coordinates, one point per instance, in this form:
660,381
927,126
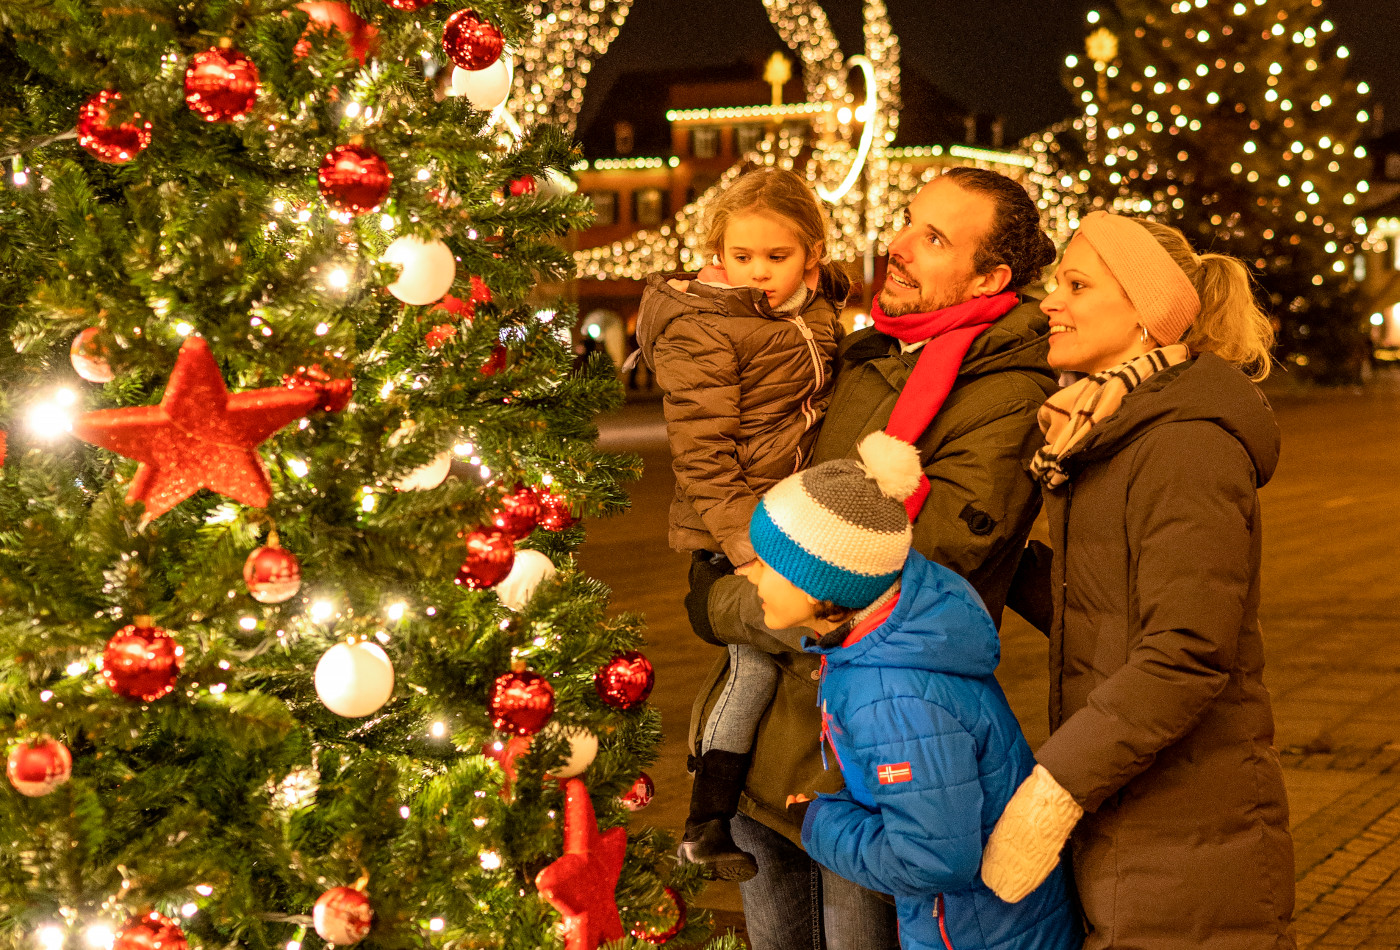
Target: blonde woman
1159,768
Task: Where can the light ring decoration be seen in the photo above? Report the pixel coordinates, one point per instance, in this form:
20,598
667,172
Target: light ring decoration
867,136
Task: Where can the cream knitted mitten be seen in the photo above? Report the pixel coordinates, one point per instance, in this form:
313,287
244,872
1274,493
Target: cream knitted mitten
1027,840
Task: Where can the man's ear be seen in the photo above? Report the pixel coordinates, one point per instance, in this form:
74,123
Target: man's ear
993,282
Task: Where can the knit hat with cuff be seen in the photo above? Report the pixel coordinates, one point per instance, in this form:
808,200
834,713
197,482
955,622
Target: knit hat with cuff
839,531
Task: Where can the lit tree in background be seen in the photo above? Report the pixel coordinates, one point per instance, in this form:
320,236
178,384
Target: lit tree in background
293,650
1236,121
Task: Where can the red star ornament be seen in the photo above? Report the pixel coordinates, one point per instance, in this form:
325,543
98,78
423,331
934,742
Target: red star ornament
199,436
582,883
504,754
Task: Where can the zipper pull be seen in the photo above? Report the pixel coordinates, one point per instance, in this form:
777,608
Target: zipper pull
802,325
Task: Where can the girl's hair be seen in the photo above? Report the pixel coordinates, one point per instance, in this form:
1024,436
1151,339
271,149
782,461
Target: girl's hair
785,195
1230,323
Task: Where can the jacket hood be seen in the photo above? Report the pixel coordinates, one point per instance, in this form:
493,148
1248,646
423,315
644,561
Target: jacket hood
1018,341
1205,389
661,304
939,624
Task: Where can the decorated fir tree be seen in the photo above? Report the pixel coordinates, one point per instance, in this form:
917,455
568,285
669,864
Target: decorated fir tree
1234,119
292,647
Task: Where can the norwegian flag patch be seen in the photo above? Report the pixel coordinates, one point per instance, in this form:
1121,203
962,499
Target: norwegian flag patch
894,773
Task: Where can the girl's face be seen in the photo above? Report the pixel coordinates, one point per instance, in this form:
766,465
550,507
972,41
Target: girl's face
784,604
762,250
1093,324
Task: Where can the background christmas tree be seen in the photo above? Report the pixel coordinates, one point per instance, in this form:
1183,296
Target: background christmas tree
1233,119
254,670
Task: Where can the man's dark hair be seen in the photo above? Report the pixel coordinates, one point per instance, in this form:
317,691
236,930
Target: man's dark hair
1016,238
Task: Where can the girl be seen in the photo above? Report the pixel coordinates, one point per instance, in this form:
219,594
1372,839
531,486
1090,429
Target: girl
1159,767
743,356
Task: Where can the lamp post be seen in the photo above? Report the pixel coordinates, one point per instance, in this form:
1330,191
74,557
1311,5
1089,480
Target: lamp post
1101,47
777,72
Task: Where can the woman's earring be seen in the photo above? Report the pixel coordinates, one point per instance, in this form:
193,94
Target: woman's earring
1146,337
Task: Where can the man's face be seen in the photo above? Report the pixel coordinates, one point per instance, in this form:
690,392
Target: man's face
930,265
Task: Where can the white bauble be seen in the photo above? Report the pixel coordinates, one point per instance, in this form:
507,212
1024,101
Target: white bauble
531,568
485,88
354,679
426,476
428,270
583,748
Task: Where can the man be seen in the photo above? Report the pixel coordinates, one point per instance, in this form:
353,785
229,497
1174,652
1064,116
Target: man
977,353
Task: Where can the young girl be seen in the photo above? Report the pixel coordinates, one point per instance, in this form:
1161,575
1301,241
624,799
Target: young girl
927,745
743,354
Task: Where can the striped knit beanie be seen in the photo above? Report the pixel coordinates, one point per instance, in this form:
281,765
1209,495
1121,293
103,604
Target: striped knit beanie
838,531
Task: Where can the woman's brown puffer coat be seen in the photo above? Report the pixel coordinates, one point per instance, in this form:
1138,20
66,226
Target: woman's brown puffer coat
744,389
1161,727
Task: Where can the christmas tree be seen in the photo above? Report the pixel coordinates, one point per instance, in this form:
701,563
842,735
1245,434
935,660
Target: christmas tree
1236,122
292,647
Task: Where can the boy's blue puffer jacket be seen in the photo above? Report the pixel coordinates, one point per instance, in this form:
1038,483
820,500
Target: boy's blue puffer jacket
914,701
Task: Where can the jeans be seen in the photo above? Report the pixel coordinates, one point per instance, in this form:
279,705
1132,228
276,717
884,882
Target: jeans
753,677
796,904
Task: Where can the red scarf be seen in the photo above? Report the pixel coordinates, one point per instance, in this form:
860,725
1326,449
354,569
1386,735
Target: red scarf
949,332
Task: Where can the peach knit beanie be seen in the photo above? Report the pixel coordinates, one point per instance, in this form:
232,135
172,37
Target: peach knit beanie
1160,290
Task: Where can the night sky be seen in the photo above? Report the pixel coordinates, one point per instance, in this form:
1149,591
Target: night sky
995,56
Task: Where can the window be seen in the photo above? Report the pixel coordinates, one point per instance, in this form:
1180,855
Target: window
605,204
704,142
648,206
747,137
624,138
1392,166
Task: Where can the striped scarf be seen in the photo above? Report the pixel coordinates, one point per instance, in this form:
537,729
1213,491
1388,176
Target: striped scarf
1069,416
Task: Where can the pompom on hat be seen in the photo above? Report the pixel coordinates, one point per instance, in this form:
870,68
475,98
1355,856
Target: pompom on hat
839,531
1159,290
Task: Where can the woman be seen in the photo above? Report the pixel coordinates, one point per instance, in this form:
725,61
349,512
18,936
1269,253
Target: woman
1160,759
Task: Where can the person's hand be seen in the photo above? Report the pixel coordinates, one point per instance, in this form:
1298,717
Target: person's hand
748,569
682,285
797,806
1025,845
713,274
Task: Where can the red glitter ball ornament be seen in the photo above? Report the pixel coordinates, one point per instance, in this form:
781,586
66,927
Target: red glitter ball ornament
362,38
272,573
150,931
490,556
471,42
641,793
521,702
342,916
524,185
496,362
221,85
108,142
672,913
88,354
37,768
625,680
142,661
354,179
554,511
518,514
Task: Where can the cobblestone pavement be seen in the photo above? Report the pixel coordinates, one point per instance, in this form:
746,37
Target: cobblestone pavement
1331,614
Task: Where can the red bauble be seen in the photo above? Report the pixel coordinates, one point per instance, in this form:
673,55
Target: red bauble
582,884
496,362
521,702
106,142
37,768
354,179
518,514
142,662
640,794
554,511
221,85
490,556
672,910
625,680
273,574
362,38
335,393
524,185
471,42
342,915
150,931
199,436
88,354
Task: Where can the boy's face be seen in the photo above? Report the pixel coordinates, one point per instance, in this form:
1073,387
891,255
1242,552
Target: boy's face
761,251
784,605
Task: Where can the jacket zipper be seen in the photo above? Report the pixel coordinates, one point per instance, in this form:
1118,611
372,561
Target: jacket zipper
808,413
939,911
